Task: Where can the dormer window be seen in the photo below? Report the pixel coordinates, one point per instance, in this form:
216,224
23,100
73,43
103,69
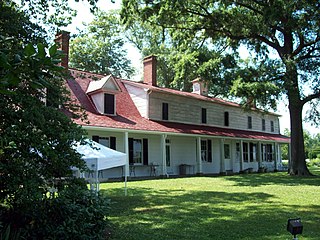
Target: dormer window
109,103
103,94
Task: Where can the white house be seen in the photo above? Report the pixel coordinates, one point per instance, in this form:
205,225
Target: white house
170,132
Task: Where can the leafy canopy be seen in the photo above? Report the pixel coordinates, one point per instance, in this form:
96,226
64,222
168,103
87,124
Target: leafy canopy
36,140
100,47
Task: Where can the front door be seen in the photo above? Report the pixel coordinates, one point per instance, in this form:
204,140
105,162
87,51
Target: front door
227,157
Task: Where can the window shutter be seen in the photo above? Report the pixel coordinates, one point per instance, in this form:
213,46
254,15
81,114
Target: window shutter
108,103
209,151
130,150
113,143
145,151
95,138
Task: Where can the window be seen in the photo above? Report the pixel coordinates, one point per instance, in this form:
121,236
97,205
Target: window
206,151
272,126
245,152
138,151
109,142
203,115
253,152
168,155
165,111
226,119
267,151
109,103
263,124
226,151
104,141
249,122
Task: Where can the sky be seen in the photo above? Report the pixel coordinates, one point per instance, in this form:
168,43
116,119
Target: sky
84,15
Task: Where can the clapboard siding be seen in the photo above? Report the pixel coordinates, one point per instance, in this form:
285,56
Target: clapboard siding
188,110
140,98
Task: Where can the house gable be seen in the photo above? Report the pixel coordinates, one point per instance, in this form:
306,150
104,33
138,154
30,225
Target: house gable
106,84
103,94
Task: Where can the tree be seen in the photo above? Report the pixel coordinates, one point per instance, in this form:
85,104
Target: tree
36,139
283,34
182,57
100,47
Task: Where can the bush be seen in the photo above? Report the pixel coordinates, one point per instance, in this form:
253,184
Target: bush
75,213
314,162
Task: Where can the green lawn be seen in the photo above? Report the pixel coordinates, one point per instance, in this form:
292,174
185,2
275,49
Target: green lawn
253,206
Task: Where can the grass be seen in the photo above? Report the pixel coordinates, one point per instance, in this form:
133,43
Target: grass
253,206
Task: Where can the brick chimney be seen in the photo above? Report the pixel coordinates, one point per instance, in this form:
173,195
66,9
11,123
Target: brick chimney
62,39
251,102
199,87
150,70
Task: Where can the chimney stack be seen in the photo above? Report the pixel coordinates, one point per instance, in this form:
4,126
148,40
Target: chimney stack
62,39
199,87
150,70
251,102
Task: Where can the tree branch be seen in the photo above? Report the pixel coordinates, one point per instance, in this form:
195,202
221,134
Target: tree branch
309,55
311,97
249,7
302,44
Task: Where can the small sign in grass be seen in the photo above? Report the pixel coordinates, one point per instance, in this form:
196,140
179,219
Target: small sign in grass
254,206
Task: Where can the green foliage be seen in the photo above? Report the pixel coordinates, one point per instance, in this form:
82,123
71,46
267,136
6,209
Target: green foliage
53,12
100,47
75,213
315,162
36,143
182,57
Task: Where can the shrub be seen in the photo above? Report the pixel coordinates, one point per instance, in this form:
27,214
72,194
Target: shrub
75,213
314,162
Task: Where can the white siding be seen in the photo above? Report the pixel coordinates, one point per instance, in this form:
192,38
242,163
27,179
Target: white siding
139,97
98,100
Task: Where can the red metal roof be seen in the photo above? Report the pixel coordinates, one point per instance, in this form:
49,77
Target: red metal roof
128,116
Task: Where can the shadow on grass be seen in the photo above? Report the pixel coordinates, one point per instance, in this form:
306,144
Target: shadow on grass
257,179
179,214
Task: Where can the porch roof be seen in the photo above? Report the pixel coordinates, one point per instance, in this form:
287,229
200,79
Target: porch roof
128,117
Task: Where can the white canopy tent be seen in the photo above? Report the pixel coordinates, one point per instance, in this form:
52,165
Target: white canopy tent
99,157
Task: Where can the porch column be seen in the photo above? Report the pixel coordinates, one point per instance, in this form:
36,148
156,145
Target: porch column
126,168
199,169
222,165
164,157
259,155
276,154
241,155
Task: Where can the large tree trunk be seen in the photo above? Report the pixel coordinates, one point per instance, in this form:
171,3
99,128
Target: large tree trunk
298,164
